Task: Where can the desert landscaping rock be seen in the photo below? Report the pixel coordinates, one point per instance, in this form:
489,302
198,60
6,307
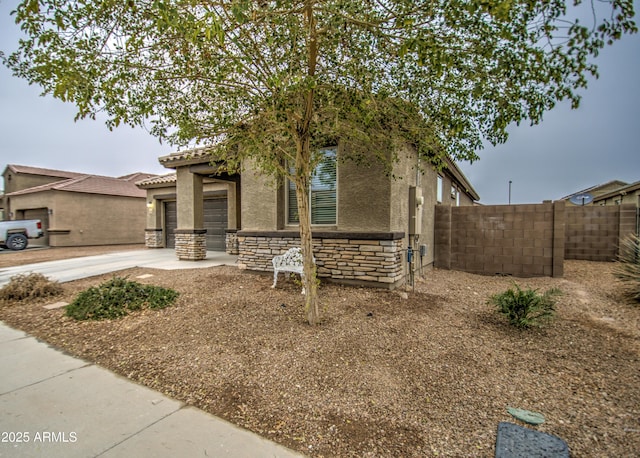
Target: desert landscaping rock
55,305
533,418
429,375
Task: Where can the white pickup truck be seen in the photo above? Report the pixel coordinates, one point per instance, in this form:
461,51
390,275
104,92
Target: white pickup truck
15,234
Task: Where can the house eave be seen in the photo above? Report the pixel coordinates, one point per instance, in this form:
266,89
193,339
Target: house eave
453,168
195,156
622,191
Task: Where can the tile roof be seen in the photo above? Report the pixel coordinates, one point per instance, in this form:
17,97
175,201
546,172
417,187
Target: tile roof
15,168
195,154
137,176
89,184
83,182
157,180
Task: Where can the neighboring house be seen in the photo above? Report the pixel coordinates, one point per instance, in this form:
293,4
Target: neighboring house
362,219
627,194
77,209
589,195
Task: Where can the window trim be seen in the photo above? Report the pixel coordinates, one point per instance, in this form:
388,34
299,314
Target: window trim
439,188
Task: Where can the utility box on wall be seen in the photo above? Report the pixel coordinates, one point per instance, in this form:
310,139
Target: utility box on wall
416,203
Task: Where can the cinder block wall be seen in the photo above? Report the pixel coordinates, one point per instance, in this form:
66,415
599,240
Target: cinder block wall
593,232
528,240
519,240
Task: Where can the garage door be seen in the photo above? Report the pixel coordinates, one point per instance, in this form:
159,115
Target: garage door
170,224
43,215
215,222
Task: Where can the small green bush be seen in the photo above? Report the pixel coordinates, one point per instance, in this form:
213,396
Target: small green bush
525,308
116,298
30,286
627,268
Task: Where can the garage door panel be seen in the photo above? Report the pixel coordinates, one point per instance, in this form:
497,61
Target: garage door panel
215,222
43,215
170,223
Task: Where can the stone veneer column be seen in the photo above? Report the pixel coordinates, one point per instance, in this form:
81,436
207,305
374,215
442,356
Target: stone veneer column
153,238
231,242
191,244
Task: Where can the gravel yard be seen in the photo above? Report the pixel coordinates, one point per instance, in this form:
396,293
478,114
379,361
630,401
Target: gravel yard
426,373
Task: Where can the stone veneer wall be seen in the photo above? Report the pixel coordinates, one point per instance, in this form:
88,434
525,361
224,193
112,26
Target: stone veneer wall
191,245
231,242
371,258
153,238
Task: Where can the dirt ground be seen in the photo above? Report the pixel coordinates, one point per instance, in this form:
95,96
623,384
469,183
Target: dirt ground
428,372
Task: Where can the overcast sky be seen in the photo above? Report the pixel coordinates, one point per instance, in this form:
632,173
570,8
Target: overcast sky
571,149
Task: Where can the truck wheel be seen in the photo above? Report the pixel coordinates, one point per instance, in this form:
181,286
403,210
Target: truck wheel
17,242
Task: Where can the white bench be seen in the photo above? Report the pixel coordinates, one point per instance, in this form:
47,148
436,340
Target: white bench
291,261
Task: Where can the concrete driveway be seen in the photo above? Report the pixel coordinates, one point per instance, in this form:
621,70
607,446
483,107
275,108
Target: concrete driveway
89,266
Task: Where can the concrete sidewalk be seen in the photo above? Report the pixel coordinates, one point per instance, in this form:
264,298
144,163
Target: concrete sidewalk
88,266
54,405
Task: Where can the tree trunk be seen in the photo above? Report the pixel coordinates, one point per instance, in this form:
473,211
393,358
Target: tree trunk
303,174
302,181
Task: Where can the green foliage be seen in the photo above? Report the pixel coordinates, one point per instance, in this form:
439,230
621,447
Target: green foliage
116,298
202,69
627,268
30,286
525,308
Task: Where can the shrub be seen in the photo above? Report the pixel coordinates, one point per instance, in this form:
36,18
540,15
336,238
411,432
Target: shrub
525,308
116,298
627,268
29,286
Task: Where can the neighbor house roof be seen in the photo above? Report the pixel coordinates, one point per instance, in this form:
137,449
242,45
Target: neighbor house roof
26,169
89,184
598,189
453,168
621,191
138,176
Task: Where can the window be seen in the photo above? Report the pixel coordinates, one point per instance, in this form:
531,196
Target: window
439,190
322,194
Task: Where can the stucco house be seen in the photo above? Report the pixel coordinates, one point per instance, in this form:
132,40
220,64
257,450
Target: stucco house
76,209
590,195
626,194
363,220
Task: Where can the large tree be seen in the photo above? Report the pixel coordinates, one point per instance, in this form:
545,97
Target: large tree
275,80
